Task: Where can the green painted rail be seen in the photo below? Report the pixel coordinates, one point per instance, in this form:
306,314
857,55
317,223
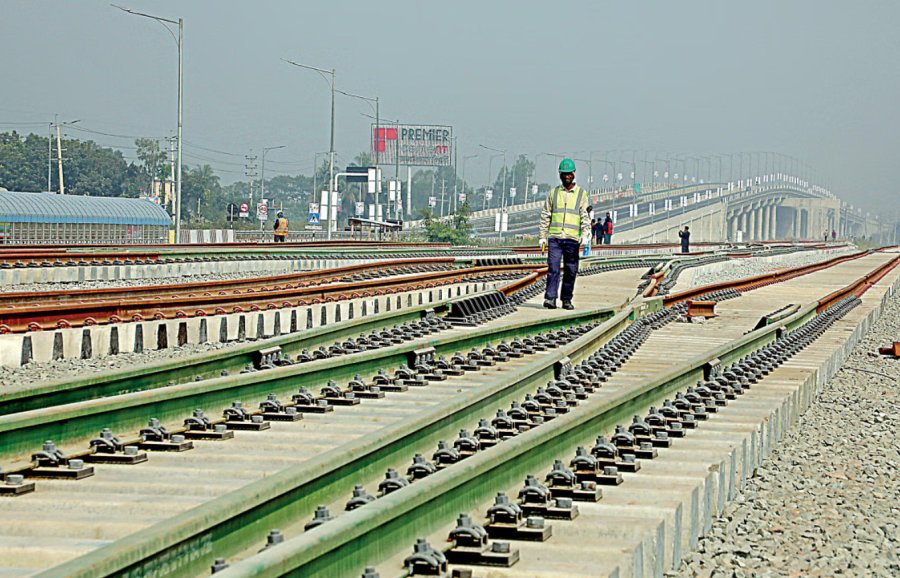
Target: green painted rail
378,531
186,544
22,433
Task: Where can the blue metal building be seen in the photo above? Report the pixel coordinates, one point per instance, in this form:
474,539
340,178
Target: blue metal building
71,219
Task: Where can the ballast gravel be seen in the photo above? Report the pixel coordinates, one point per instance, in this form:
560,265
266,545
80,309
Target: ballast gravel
125,283
751,266
14,379
827,501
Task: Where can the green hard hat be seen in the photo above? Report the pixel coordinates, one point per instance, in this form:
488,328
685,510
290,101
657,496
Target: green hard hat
567,166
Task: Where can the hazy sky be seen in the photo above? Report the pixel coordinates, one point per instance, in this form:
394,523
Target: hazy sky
818,80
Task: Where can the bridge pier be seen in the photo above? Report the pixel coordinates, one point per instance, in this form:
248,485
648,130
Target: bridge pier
773,224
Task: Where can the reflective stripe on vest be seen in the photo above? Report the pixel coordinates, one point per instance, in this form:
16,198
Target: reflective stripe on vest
282,227
566,216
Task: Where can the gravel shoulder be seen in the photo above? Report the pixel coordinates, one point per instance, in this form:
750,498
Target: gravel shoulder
122,283
13,379
827,502
748,267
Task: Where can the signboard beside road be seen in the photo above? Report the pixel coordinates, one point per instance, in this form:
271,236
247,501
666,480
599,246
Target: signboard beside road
313,214
262,210
415,145
245,210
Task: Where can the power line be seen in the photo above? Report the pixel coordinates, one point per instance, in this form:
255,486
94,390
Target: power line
211,150
109,134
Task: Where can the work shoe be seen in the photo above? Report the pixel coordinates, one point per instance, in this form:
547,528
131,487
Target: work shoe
568,305
549,303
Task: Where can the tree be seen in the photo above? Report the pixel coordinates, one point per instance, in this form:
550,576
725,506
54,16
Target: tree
453,229
200,186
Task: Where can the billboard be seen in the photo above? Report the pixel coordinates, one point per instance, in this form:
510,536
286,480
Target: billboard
418,145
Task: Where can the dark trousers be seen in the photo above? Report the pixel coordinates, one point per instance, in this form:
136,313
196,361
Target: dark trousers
685,248
280,238
607,238
567,252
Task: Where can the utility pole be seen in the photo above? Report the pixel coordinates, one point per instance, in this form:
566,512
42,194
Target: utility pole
49,157
62,187
59,158
442,197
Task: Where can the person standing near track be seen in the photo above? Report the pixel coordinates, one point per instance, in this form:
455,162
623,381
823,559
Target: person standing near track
564,229
281,228
607,229
685,239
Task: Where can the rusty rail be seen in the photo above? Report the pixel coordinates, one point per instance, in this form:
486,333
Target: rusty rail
38,317
858,287
248,285
759,280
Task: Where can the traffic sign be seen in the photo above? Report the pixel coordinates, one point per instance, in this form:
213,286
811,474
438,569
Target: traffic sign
432,201
262,210
313,214
245,210
512,192
360,208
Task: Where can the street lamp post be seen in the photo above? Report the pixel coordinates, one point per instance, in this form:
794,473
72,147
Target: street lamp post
262,187
503,192
465,158
377,126
180,42
323,72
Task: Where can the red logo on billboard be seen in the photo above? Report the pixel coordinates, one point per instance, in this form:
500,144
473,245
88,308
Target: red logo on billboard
381,135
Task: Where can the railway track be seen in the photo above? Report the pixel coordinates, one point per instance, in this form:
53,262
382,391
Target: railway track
298,467
33,312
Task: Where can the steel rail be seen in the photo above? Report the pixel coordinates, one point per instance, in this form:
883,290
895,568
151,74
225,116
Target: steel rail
236,517
757,281
360,538
62,315
189,541
261,283
204,366
22,432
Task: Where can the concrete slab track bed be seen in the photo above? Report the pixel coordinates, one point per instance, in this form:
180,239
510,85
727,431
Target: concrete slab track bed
176,513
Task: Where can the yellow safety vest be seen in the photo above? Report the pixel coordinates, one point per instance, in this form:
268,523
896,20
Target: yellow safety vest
282,229
566,216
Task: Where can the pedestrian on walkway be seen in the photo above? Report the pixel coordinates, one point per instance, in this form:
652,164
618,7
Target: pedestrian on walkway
685,236
565,229
607,229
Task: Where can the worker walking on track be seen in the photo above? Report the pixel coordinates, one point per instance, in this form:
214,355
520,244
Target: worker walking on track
281,228
565,228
